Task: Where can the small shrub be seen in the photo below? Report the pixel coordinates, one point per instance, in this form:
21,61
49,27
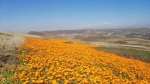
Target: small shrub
121,42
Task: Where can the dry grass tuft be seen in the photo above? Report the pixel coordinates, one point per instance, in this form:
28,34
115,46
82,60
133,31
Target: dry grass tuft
9,42
8,46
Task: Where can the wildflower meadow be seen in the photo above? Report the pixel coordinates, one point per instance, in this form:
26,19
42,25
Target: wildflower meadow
55,61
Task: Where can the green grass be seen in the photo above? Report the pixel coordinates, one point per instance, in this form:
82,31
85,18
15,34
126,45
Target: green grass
121,42
129,52
8,73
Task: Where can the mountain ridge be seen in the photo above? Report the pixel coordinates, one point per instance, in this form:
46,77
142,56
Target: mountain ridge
74,34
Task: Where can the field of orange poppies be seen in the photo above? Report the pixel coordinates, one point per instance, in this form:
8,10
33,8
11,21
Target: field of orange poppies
58,62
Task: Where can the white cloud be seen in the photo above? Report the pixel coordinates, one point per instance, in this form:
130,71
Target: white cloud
107,23
89,25
135,22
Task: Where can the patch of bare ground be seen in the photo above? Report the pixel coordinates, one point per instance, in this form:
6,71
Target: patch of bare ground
106,44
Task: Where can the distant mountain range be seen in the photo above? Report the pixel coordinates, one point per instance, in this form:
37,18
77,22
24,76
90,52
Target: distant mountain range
95,33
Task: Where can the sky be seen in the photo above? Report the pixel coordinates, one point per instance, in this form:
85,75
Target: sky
48,15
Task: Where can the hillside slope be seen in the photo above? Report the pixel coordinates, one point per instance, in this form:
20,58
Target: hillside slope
84,34
59,61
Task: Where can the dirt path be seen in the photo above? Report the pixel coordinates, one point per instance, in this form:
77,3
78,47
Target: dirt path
118,45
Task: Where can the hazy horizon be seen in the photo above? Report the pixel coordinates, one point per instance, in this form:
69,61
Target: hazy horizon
49,15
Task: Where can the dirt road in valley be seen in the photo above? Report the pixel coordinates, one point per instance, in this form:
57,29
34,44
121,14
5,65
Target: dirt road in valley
106,44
